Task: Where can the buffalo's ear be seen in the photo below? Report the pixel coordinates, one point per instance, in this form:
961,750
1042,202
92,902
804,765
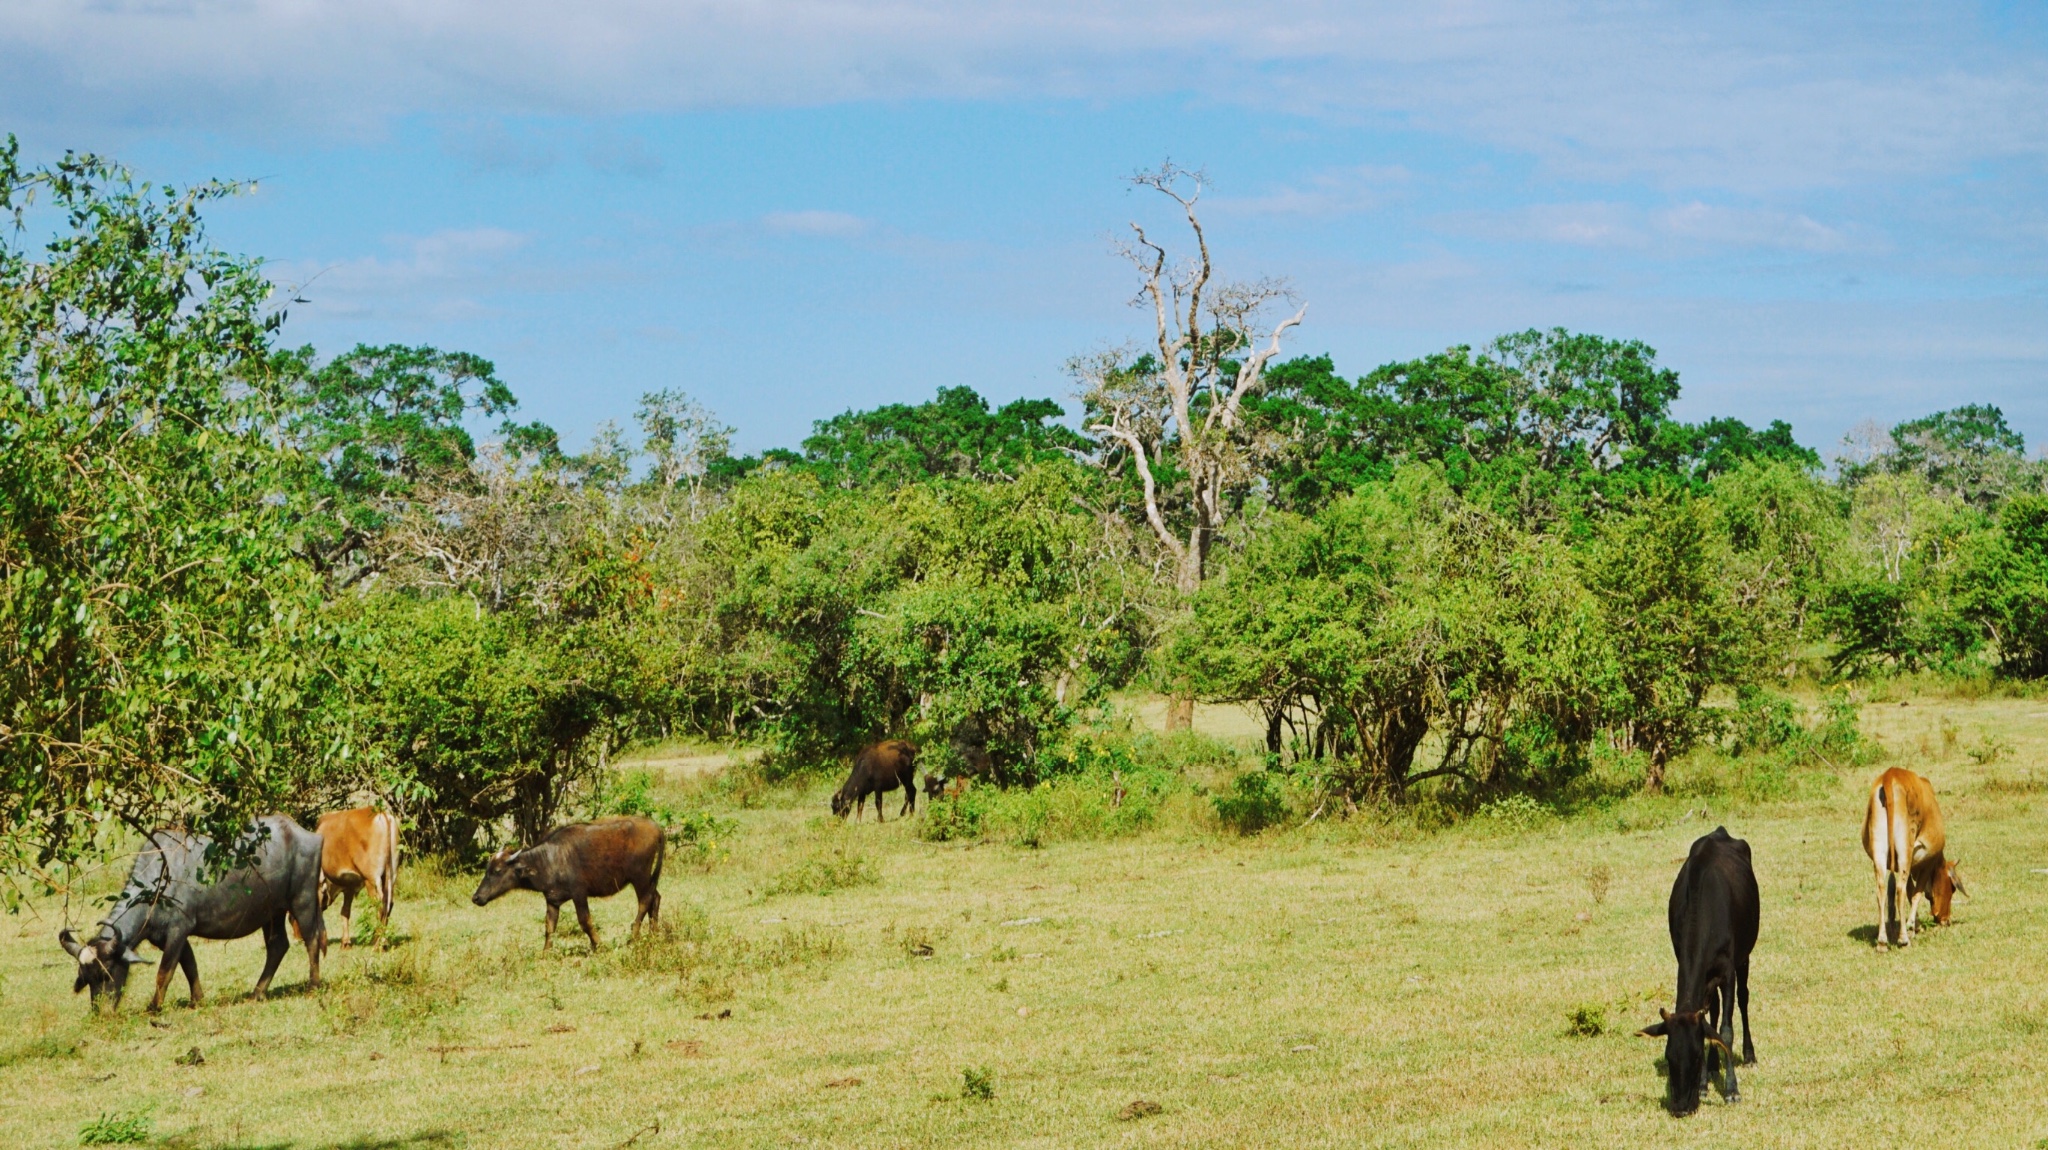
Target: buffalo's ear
1654,1030
68,941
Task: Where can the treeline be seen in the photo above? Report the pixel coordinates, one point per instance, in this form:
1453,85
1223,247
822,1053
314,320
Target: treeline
237,576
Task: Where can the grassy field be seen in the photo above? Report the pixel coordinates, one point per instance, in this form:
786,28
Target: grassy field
1362,984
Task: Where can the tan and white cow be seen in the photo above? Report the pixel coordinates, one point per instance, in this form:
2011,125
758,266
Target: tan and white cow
359,851
1905,839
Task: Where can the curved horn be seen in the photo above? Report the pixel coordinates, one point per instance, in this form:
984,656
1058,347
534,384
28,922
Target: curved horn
69,942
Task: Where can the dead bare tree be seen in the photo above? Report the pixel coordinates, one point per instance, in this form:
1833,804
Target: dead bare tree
1186,395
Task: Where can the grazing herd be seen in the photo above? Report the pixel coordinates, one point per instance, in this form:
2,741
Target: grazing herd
281,876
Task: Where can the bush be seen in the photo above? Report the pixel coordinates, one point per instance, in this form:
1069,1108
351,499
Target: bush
825,873
1763,721
1514,813
1094,786
956,818
978,1084
713,961
1253,803
1769,724
700,836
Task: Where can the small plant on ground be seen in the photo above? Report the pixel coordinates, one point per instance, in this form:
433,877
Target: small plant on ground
978,1084
116,1130
1988,750
1597,880
1586,1021
917,941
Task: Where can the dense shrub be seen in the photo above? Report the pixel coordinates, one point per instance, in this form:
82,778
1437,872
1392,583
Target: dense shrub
1253,803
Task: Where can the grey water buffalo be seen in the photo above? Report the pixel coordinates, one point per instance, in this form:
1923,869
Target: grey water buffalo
883,767
1906,840
169,901
1713,917
581,861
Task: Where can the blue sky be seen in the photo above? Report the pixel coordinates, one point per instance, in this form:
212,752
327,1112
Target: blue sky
790,209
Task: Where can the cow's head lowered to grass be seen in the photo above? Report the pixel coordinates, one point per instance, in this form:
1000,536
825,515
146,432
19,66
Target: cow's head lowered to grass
1686,1037
102,963
1948,882
504,872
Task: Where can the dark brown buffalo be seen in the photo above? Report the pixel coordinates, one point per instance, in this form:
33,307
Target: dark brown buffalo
882,767
579,862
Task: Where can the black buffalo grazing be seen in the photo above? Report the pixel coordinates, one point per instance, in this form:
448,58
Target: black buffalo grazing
1713,928
166,904
882,767
582,861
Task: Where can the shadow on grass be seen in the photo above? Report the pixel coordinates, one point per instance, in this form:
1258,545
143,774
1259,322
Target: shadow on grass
289,990
420,1141
1865,934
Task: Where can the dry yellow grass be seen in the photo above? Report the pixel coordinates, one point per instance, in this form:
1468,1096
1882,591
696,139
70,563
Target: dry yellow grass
1342,986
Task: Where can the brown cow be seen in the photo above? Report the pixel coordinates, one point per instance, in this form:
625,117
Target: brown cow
882,767
360,850
579,862
1905,839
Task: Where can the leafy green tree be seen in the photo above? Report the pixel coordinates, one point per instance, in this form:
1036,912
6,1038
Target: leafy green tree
1541,423
851,615
1968,452
1672,628
1894,602
954,436
1786,533
379,421
2003,586
162,648
1395,611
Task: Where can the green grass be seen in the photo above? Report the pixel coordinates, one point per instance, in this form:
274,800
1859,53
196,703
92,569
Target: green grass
1358,983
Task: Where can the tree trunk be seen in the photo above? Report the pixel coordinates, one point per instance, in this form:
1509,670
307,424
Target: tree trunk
1180,707
1653,779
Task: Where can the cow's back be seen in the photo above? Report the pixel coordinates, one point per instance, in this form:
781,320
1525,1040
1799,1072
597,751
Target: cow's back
1899,794
361,842
605,855
891,759
1714,896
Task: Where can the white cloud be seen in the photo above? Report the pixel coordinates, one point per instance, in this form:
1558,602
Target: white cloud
1336,193
1741,97
437,276
1669,230
1740,227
